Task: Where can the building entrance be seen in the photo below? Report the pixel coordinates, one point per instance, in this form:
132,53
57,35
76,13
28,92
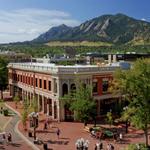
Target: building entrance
69,115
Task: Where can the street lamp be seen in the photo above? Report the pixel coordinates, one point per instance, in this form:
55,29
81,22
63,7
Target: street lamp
126,122
82,144
34,122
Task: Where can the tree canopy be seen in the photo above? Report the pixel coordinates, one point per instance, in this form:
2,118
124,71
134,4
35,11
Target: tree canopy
80,101
134,85
3,75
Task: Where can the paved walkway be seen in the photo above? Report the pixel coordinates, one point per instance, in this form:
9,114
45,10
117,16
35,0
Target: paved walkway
71,131
17,142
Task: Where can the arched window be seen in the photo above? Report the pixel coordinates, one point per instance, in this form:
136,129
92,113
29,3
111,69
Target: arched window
64,89
73,87
84,85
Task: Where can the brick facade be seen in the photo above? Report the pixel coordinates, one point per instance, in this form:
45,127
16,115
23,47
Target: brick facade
47,84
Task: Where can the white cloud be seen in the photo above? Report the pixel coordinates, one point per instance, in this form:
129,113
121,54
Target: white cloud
26,24
143,19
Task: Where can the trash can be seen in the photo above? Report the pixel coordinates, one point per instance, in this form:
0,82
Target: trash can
30,134
45,146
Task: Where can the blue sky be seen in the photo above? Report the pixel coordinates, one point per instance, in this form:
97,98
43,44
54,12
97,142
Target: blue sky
22,20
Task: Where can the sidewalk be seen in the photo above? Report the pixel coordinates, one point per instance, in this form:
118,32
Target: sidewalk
70,132
17,141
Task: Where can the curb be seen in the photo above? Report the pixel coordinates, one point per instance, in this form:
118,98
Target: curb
24,138
7,124
20,134
13,110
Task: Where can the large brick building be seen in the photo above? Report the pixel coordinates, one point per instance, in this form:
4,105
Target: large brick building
47,83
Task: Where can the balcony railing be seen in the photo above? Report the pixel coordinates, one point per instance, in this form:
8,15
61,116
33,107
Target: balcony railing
51,68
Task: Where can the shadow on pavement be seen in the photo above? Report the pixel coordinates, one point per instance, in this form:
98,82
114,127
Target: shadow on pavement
2,147
45,131
139,135
15,144
58,142
64,138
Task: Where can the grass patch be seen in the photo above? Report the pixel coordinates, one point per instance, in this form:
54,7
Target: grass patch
74,44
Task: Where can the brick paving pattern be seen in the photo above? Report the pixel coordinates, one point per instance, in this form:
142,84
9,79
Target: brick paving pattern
17,142
71,131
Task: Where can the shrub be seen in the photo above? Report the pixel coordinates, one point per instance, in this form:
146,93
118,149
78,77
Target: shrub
5,112
24,118
134,147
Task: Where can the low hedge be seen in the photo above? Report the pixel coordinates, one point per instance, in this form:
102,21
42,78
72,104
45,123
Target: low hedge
5,111
137,147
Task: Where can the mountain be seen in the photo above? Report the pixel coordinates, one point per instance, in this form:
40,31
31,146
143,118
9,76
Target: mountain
54,33
117,28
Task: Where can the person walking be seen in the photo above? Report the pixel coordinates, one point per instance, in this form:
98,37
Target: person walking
120,137
111,147
45,125
108,146
58,132
101,146
95,147
1,111
9,138
4,138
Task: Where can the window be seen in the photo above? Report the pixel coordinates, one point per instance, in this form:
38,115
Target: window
26,80
45,84
55,86
72,88
32,81
40,83
50,107
29,80
105,85
64,89
36,82
95,89
21,78
49,85
15,77
18,77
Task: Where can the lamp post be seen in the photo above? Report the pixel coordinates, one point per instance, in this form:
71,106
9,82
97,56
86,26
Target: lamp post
34,122
126,122
82,144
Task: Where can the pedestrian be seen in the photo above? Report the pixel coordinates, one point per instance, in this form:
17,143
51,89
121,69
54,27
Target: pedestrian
86,145
4,138
115,137
101,146
58,132
98,146
45,125
9,138
1,111
138,146
95,147
111,147
120,137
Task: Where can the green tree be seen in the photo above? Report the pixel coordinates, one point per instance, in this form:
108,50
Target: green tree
16,100
25,113
109,118
134,85
2,104
3,75
80,101
34,106
24,118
